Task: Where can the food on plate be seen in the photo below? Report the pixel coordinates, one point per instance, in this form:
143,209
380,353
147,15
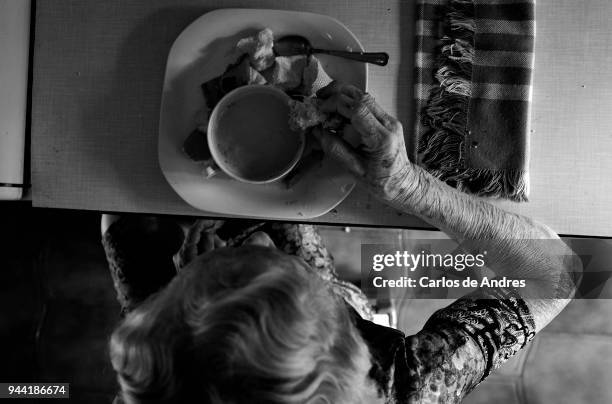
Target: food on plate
300,76
236,75
287,72
195,146
259,48
307,114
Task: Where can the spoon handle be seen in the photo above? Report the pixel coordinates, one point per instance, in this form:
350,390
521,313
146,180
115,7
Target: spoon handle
377,58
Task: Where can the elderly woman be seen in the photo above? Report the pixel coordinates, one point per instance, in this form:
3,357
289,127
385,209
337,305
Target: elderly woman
256,314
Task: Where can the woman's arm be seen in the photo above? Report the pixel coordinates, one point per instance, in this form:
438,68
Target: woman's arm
517,247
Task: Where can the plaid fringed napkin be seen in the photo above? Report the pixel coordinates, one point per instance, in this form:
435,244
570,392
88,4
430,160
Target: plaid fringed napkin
474,66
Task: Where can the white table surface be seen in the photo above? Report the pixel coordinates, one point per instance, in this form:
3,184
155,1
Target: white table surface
98,72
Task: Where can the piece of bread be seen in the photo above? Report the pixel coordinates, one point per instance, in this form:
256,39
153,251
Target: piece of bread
256,78
260,48
307,114
300,73
287,72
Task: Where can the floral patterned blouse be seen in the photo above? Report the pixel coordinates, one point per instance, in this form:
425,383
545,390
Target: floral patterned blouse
458,347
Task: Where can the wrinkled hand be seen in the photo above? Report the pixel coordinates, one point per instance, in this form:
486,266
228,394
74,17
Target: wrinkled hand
200,238
381,161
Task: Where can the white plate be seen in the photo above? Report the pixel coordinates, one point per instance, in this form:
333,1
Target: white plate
202,52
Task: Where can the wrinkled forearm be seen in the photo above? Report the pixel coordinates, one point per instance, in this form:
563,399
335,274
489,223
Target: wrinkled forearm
517,246
460,215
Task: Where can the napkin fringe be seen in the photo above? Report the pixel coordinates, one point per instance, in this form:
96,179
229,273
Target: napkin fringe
446,113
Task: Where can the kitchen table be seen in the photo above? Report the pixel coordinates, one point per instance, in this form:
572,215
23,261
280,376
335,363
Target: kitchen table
98,70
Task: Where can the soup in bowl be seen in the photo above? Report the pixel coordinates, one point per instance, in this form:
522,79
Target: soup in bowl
249,135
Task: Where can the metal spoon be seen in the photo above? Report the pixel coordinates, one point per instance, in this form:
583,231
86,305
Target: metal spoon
292,45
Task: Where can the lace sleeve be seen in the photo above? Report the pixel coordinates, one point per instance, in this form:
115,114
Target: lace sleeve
461,344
